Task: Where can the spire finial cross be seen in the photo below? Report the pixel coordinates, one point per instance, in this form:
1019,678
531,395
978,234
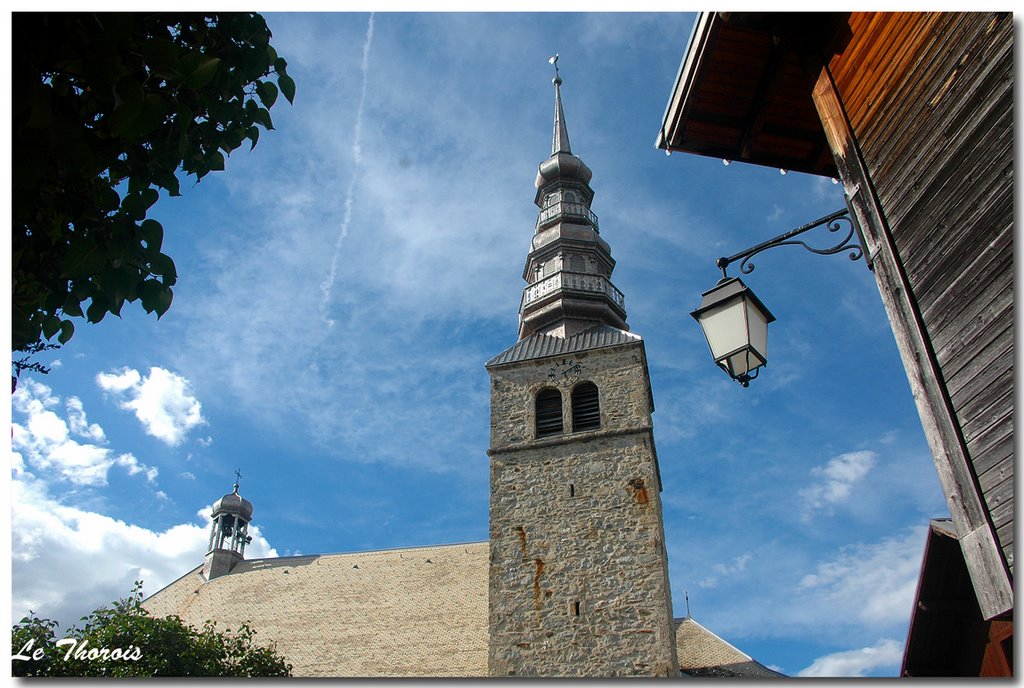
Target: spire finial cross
554,61
238,477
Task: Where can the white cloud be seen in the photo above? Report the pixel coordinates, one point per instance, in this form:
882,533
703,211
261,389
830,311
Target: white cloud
889,437
738,565
885,654
67,561
162,401
119,382
133,466
854,596
836,480
43,439
871,583
79,424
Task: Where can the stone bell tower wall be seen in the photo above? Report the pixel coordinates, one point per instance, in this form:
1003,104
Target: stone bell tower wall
578,571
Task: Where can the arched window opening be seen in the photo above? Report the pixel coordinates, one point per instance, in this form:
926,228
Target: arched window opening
549,412
586,407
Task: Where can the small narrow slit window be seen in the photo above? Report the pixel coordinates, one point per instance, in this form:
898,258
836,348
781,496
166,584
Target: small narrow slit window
549,412
586,407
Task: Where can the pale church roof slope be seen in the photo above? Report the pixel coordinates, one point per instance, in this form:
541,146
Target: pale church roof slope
542,345
413,612
420,611
703,654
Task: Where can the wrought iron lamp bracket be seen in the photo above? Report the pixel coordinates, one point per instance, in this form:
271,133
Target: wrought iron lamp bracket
852,241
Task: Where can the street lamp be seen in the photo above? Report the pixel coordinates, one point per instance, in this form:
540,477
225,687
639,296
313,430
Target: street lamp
735,322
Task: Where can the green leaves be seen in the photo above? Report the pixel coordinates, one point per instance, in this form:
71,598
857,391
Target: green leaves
83,257
67,329
267,92
165,646
50,326
262,116
253,134
203,73
153,234
163,265
107,109
284,82
287,87
136,204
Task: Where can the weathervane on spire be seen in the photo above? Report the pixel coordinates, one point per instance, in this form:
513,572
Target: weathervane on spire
554,61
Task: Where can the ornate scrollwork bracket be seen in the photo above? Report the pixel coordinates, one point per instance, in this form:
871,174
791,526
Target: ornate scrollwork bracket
852,241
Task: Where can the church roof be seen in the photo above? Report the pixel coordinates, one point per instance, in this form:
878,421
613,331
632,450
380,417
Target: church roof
420,611
701,653
413,612
539,345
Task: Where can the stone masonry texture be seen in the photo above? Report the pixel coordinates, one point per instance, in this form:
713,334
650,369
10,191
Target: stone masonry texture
578,581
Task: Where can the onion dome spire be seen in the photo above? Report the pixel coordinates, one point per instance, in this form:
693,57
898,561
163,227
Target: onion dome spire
568,270
562,165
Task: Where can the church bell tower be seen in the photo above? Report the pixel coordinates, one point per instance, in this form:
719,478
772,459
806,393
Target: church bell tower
229,534
578,571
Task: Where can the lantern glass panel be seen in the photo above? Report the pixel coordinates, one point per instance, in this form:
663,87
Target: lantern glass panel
725,328
757,327
743,361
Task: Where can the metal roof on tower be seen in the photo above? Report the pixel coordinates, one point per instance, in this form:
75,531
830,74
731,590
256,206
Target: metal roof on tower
542,345
233,503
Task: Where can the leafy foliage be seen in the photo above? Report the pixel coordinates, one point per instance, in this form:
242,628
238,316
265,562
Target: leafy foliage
108,109
147,646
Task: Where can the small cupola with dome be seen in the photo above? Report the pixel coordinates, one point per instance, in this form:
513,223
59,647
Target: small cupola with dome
229,533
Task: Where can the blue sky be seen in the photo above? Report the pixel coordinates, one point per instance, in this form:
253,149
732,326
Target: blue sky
342,286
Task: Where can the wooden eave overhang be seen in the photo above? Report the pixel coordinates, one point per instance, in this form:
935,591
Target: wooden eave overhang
743,92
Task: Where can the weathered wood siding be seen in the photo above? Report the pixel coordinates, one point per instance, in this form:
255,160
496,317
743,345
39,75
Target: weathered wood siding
929,98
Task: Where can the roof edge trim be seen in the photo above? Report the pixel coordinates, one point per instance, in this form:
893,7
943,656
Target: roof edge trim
703,27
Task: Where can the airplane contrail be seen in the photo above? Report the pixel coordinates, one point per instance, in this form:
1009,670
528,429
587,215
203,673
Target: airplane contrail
327,286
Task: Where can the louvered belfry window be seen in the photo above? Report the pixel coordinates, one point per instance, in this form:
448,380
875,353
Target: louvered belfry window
586,407
549,412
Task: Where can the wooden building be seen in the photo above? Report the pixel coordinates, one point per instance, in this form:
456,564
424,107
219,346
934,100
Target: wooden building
948,635
913,112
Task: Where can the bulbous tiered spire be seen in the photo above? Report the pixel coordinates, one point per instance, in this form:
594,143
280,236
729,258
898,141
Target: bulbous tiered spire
569,266
562,164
